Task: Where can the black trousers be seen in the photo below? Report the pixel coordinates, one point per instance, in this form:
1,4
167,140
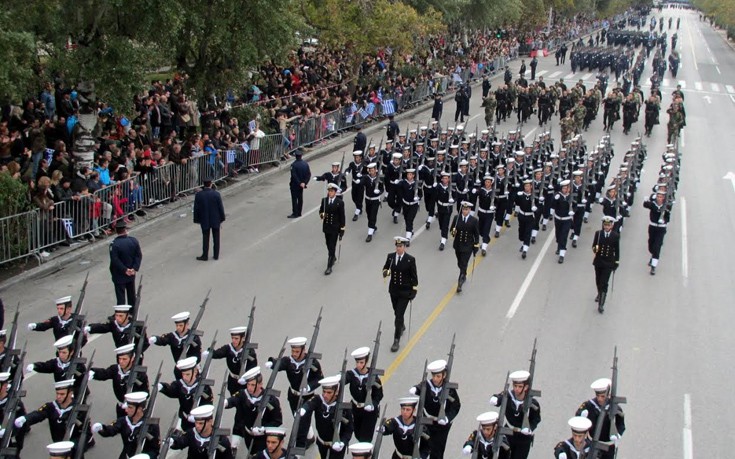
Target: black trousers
125,288
578,220
371,209
364,423
331,240
205,241
326,452
305,422
655,240
429,201
463,259
444,222
525,226
501,207
562,232
409,215
602,278
520,445
358,193
297,200
437,440
400,303
485,221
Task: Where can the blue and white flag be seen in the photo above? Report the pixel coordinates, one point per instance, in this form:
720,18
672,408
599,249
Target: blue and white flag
69,227
230,156
251,125
245,147
49,155
388,107
351,115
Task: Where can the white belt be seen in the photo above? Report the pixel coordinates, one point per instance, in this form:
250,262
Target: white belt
409,203
446,204
527,214
377,198
295,392
562,218
483,211
658,225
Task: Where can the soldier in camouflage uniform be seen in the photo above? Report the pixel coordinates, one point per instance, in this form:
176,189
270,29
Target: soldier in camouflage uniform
579,113
567,127
676,121
490,103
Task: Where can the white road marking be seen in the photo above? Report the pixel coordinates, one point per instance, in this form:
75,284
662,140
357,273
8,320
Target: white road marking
687,431
665,83
729,89
555,74
541,73
698,85
683,84
694,57
32,373
525,137
717,67
684,250
568,76
732,98
529,277
681,139
587,76
715,87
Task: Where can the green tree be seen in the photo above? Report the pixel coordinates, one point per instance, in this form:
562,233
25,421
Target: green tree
17,61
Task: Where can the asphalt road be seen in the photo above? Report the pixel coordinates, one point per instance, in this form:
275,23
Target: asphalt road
672,331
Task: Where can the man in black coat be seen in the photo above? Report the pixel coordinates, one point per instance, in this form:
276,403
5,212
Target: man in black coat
300,176
606,246
125,259
332,213
209,212
436,111
466,232
404,283
360,142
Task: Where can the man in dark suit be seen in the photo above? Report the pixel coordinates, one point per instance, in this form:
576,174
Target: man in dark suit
606,246
300,176
332,213
404,283
360,141
209,212
466,232
125,259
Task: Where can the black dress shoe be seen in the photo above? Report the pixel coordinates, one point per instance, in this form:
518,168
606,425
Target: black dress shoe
533,240
408,244
354,218
216,257
497,234
292,216
369,238
328,271
524,254
394,347
202,258
428,225
561,260
507,223
586,220
600,308
653,270
441,246
395,219
484,252
543,227
597,298
574,243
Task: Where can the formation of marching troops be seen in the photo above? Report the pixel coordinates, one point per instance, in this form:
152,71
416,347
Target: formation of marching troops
322,412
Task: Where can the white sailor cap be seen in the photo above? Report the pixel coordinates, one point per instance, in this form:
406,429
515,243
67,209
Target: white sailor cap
123,308
238,330
423,128
181,317
372,166
623,169
361,449
473,157
410,170
419,144
410,400
454,145
412,131
202,412
61,447
484,149
434,139
127,349
467,204
446,174
251,373
330,381
510,161
580,424
66,341
449,128
465,142
528,182
441,152
437,366
519,376
400,240
388,141
608,219
187,363
548,164
429,158
464,162
484,131
433,122
472,135
63,300
538,170
500,166
64,384
661,192
275,432
359,152
370,147
513,132
565,182
4,376
460,127
336,163
577,173
602,384
488,177
612,187
554,156
332,186
520,153
360,352
299,341
488,418
397,156
136,398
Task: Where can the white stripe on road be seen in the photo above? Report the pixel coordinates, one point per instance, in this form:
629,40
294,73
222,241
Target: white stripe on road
568,76
555,74
586,76
529,277
687,431
683,84
729,89
717,67
665,83
698,85
715,87
681,139
684,250
542,72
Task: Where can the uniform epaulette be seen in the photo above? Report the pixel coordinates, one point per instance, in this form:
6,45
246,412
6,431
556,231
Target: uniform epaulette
559,445
582,406
472,436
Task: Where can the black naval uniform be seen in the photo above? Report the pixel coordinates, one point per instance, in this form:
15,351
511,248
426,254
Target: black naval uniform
333,225
502,205
410,198
466,233
567,447
563,215
403,438
61,370
265,455
19,435
485,445
444,205
198,446
404,281
438,433
580,206
658,219
234,360
520,444
358,190
120,335
59,326
591,410
129,434
606,246
120,383
526,211
324,422
392,177
365,421
185,394
176,344
485,212
373,190
57,420
246,411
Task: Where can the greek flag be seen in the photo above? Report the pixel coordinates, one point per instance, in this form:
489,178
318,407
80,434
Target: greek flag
380,94
245,147
351,116
251,125
68,226
49,154
230,156
363,113
370,108
388,107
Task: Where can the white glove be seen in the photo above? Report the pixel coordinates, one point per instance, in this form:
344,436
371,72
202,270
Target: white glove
268,365
31,327
584,413
316,178
258,431
369,408
302,412
412,391
395,182
87,329
474,191
171,443
451,200
492,209
416,199
467,450
160,387
526,431
359,175
205,354
19,422
614,439
30,368
571,213
562,455
534,209
91,375
226,404
190,418
541,199
152,340
594,182
584,201
338,446
443,421
550,187
433,186
494,400
96,427
305,391
2,433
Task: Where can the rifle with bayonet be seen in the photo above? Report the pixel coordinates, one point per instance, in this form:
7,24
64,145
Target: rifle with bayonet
137,367
341,177
148,419
76,327
80,406
421,419
501,429
194,330
136,306
311,355
340,406
247,345
264,403
447,386
217,431
11,408
379,437
11,352
531,392
81,442
610,410
203,380
166,443
373,372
